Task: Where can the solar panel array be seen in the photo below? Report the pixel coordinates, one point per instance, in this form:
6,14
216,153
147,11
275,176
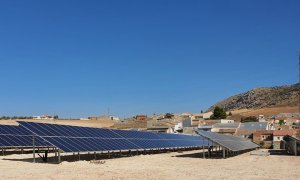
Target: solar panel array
230,142
17,136
87,139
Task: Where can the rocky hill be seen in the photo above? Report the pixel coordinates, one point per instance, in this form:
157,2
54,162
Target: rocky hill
262,98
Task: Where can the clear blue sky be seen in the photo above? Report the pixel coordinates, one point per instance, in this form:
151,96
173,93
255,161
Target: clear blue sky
78,58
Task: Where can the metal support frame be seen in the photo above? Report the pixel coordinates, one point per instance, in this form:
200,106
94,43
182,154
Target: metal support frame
295,148
203,152
55,151
33,146
58,159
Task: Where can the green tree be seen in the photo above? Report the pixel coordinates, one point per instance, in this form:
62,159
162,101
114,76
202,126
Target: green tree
281,122
218,113
249,119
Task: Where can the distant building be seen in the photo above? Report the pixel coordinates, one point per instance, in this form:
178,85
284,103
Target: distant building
278,135
114,118
170,130
43,117
227,121
206,115
196,116
178,127
141,117
261,118
263,138
207,125
245,130
296,125
187,123
287,115
225,128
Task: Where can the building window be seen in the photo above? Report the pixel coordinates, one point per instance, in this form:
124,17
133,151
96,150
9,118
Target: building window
278,138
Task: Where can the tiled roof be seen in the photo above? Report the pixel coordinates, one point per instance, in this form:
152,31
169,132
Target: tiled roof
265,132
284,132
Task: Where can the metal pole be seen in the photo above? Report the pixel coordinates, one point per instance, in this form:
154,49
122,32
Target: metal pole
78,156
95,156
2,152
296,153
58,152
55,151
33,144
203,152
224,154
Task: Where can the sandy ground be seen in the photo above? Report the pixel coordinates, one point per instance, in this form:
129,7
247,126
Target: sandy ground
86,123
174,165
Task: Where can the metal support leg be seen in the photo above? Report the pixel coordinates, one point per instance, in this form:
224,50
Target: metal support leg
108,154
33,144
224,153
95,156
58,160
203,152
295,146
78,156
55,150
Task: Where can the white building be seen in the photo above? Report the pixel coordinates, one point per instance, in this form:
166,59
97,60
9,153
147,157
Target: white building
114,118
227,121
43,117
178,127
261,118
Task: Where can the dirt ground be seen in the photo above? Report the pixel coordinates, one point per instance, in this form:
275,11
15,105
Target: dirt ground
86,123
174,165
266,111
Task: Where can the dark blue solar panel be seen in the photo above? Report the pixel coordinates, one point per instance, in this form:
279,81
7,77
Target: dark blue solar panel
18,136
68,144
43,129
86,139
152,144
22,141
18,130
137,134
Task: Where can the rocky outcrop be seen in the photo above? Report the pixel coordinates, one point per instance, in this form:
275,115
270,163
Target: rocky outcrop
261,98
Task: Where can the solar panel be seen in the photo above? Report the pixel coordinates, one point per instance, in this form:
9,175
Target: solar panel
17,130
17,136
230,142
86,139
